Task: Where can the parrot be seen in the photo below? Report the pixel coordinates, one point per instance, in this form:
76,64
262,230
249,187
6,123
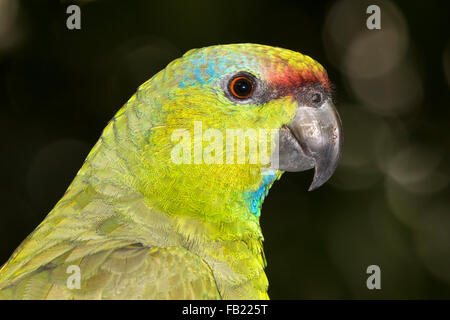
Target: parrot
162,210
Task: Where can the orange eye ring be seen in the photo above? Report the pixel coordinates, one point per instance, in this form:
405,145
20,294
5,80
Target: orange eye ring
241,87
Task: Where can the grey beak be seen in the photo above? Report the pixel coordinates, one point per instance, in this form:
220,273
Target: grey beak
312,140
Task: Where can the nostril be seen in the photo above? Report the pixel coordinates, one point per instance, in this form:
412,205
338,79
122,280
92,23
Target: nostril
316,98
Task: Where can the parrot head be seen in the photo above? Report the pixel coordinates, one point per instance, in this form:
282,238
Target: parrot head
207,136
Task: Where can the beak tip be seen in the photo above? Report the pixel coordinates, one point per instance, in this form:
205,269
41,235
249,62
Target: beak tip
320,177
314,185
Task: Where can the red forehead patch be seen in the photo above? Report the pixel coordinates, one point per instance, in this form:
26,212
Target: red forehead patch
288,76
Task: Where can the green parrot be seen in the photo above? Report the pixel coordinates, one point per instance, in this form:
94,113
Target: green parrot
167,203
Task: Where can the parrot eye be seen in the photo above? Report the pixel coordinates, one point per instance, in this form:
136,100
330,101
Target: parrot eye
241,87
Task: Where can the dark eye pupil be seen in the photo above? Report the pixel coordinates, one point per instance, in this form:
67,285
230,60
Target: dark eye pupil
316,98
242,87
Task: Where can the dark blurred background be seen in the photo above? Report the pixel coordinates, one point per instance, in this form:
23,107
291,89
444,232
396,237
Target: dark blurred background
388,202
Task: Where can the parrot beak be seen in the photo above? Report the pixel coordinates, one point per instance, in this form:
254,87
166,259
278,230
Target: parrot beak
312,140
